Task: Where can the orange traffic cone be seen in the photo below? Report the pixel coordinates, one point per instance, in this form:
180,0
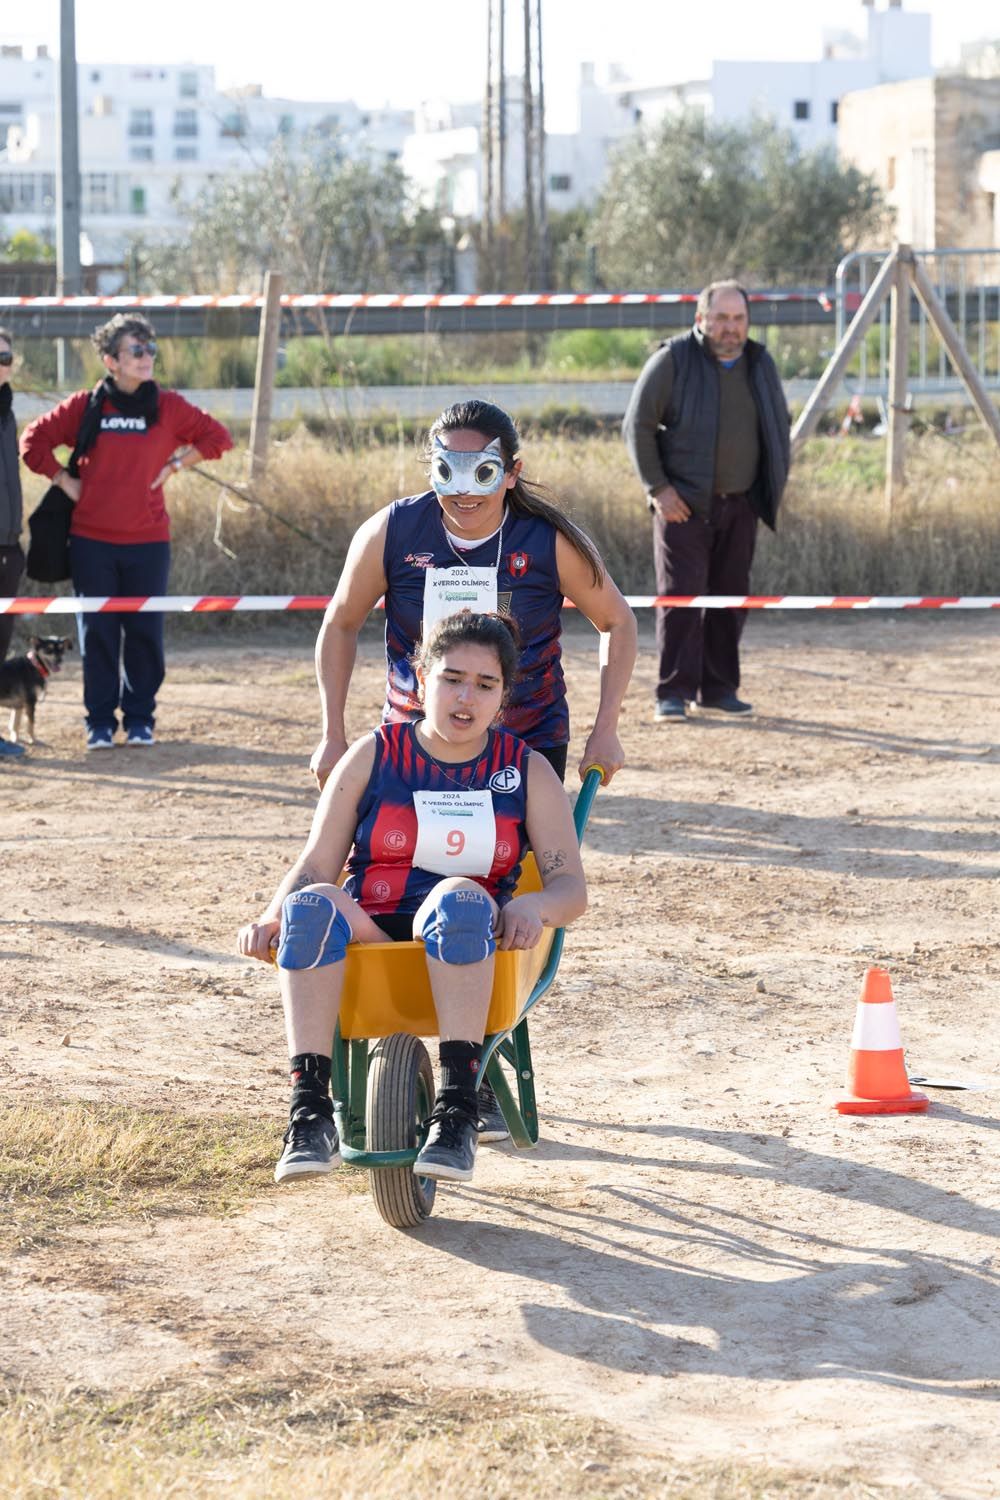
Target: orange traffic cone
876,1075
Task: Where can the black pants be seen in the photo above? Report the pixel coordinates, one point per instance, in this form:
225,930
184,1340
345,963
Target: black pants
700,649
122,655
556,756
11,568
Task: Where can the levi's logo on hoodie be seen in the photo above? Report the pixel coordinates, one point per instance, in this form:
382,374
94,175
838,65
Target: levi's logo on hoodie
115,422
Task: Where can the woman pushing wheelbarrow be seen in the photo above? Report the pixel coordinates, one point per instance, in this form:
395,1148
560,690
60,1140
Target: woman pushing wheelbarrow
432,821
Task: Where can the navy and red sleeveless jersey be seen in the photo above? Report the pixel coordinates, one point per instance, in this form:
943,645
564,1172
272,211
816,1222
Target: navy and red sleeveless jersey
381,875
527,588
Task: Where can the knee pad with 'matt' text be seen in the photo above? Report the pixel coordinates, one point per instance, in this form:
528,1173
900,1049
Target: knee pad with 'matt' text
459,928
313,932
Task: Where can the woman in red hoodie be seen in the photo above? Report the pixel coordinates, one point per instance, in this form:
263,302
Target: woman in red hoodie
120,531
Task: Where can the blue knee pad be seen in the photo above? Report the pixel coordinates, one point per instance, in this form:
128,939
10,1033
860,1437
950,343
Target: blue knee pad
313,932
459,928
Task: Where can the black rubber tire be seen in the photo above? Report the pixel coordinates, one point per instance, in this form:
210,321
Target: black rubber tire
400,1096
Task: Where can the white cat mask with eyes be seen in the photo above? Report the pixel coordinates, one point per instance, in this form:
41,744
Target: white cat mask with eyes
466,473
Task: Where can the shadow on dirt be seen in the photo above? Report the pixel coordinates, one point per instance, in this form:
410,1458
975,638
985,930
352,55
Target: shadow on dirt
883,847
665,1283
169,767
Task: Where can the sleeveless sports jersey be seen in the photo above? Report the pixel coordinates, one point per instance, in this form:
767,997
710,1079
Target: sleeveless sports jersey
381,875
527,588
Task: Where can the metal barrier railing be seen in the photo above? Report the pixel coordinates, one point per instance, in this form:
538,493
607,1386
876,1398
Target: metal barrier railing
968,283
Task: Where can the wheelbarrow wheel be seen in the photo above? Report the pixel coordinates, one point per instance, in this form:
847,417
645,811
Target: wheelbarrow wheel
400,1097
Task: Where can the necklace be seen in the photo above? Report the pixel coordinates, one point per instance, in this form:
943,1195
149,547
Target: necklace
465,786
499,536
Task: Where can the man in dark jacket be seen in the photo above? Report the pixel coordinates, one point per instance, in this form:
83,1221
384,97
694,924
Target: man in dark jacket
707,428
11,556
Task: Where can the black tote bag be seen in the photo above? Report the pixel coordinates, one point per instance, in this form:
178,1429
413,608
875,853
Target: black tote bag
49,522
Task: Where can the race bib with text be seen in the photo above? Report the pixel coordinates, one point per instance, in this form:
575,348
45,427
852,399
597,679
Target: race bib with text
447,591
456,832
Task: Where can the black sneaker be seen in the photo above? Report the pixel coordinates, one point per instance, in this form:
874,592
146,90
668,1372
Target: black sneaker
492,1125
729,705
311,1146
449,1153
670,710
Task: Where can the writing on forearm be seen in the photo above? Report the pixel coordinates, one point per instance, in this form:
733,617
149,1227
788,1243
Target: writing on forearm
551,861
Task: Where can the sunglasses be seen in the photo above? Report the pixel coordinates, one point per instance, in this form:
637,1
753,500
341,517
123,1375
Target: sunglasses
138,350
6,358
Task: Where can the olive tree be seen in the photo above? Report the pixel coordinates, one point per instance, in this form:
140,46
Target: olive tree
696,199
326,221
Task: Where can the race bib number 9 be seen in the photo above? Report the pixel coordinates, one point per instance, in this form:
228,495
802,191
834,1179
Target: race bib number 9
456,832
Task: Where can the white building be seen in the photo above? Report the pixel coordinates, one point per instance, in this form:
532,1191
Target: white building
804,97
151,137
443,155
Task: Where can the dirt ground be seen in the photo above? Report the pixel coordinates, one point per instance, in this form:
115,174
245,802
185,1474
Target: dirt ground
701,1251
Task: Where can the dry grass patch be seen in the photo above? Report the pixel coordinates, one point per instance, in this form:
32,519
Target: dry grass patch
834,534
352,1439
76,1164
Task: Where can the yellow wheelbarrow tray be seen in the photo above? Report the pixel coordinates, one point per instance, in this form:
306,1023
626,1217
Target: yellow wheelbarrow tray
383,1093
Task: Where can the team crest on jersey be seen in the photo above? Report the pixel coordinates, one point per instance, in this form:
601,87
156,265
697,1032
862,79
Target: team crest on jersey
420,559
381,890
395,839
507,780
518,564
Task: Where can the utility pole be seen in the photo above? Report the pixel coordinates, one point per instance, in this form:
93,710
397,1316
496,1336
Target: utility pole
502,113
544,271
528,124
494,149
486,139
67,181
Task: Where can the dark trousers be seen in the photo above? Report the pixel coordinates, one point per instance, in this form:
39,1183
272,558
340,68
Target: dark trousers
556,755
11,568
700,649
122,655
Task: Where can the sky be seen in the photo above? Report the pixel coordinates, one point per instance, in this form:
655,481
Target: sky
405,51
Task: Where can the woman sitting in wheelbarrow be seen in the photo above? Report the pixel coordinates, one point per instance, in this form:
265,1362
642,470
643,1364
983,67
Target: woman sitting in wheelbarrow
432,819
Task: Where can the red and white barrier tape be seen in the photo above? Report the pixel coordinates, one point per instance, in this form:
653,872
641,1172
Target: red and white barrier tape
243,603
347,300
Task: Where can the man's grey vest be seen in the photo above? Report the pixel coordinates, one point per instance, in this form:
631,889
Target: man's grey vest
687,438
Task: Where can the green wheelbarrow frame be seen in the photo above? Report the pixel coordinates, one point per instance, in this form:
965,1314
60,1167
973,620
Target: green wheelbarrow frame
353,1061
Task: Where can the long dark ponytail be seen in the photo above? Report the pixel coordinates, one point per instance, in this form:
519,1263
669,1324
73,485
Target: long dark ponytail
525,498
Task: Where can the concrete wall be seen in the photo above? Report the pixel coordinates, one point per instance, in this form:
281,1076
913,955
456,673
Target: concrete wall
889,133
928,143
968,128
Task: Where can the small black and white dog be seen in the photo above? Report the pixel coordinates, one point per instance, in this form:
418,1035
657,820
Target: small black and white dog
23,679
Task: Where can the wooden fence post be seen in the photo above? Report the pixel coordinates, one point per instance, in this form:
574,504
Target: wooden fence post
833,374
899,371
957,353
267,359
